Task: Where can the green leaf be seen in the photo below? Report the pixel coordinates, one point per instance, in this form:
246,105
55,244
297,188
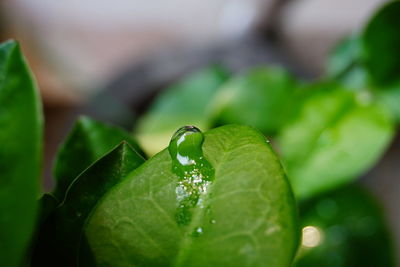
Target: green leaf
20,153
258,98
334,137
344,228
184,103
345,64
61,235
390,97
247,216
47,204
88,141
381,42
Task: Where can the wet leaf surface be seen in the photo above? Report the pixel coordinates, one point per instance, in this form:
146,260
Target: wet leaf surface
247,216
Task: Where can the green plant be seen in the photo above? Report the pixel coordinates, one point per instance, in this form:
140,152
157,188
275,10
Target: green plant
218,198
20,154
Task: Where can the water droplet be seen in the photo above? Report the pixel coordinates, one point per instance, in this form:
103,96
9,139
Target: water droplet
311,237
194,171
197,232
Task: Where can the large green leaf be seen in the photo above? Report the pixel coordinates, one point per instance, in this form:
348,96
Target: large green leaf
344,228
381,42
246,218
20,153
184,103
61,234
88,141
259,98
334,137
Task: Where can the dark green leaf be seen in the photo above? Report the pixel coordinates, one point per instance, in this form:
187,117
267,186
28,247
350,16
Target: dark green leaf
334,137
344,228
88,141
184,103
20,154
47,204
247,216
381,42
259,98
61,235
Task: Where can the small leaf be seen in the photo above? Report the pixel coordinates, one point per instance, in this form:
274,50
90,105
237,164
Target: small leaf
335,136
184,103
345,64
246,216
258,98
20,154
61,235
381,42
88,141
345,227
390,97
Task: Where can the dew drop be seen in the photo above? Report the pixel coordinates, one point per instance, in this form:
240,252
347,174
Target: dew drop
198,231
194,172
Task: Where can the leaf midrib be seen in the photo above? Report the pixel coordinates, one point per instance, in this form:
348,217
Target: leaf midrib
198,215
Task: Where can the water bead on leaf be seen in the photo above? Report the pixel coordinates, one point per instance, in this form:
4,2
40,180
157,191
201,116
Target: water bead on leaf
247,217
194,171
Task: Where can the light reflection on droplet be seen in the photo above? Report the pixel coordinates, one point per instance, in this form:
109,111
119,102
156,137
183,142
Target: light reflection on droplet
194,171
198,231
312,236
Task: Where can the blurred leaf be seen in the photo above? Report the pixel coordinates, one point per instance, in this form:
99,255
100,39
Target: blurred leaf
47,204
61,235
88,141
344,64
184,103
344,228
247,216
381,42
346,67
390,97
335,136
20,154
343,56
258,98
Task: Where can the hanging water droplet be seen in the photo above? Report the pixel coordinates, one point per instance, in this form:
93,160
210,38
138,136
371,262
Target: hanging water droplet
194,171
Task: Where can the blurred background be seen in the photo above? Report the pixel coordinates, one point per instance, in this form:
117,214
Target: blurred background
108,59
